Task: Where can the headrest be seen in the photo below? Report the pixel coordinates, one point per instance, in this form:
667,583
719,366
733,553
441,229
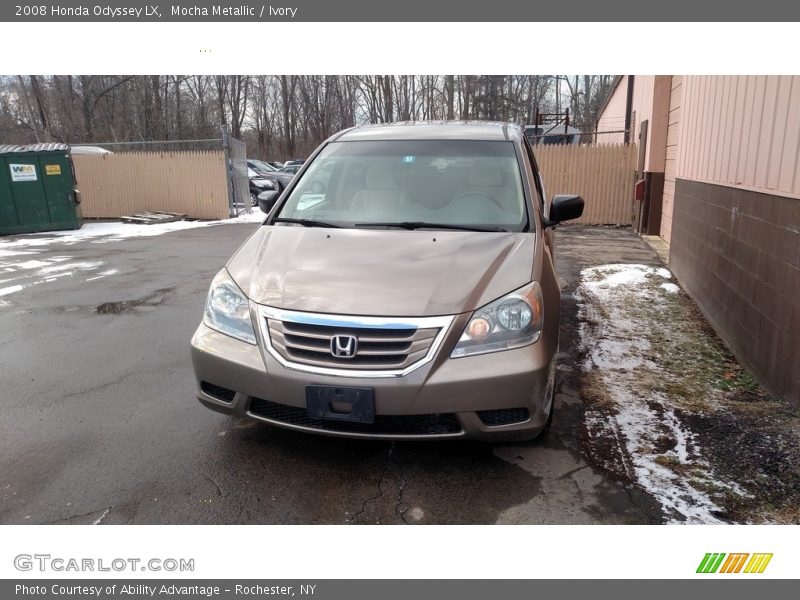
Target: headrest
381,177
483,175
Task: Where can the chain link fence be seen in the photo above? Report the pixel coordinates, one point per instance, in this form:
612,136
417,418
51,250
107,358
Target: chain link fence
202,145
241,199
579,138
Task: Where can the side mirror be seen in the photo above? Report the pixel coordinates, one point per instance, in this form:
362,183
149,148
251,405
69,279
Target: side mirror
266,200
565,207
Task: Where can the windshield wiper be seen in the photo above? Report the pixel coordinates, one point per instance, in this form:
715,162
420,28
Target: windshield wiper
305,222
426,225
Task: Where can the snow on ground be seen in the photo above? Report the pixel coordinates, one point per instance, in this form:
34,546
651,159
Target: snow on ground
670,288
21,268
103,274
652,445
99,233
30,273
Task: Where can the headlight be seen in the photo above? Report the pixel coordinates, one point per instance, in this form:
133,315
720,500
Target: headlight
513,321
264,184
228,310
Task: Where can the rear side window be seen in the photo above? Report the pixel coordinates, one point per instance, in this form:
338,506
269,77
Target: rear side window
453,182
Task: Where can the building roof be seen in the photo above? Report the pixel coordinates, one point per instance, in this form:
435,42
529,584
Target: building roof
607,99
433,130
49,147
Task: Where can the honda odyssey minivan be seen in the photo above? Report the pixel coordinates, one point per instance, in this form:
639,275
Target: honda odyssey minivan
401,287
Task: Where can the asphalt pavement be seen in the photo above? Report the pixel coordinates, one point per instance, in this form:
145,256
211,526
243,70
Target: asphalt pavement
101,425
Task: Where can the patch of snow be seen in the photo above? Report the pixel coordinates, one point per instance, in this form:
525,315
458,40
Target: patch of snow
9,253
254,216
35,272
104,274
615,303
641,425
99,519
81,266
53,277
50,269
30,264
104,232
670,288
114,231
10,289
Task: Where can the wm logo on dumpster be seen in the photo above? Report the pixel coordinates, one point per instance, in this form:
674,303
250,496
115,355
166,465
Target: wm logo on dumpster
734,563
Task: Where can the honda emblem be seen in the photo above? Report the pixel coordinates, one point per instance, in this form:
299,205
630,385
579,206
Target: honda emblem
344,346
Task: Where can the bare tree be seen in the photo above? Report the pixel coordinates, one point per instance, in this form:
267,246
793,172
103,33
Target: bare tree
279,116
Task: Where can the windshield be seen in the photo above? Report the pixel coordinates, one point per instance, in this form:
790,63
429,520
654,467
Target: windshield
263,167
449,182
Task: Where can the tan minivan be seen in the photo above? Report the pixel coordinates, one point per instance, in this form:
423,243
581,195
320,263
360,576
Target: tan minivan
401,287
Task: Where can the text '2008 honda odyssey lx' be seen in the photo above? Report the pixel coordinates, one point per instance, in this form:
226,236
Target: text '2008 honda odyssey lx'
402,287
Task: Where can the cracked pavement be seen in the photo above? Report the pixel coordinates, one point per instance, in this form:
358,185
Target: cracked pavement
101,424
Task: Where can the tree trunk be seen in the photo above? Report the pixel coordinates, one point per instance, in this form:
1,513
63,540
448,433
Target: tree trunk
449,84
287,126
40,105
387,98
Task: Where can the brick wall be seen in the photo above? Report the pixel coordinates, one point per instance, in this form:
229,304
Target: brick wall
737,253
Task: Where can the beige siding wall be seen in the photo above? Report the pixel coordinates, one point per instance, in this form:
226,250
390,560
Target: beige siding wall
115,185
742,131
650,98
613,117
659,120
672,148
642,107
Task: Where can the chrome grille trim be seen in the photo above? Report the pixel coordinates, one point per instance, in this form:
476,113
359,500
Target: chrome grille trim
418,347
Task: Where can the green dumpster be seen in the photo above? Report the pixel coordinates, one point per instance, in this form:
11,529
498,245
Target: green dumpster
37,189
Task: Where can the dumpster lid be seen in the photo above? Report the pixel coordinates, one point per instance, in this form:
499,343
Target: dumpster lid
49,147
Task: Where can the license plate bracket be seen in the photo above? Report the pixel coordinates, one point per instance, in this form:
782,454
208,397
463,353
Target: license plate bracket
341,403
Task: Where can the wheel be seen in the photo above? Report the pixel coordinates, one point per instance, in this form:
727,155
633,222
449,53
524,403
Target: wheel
253,198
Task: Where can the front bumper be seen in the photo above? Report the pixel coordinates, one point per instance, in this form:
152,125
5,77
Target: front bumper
493,397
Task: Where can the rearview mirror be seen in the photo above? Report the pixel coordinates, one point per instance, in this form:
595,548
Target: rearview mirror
266,200
565,207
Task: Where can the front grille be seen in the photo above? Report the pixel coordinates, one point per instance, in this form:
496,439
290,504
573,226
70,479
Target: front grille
377,348
218,392
503,416
399,425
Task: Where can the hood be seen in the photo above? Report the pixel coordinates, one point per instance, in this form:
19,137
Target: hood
381,272
284,178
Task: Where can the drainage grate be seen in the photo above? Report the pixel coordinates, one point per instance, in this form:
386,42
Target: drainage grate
503,416
218,392
399,425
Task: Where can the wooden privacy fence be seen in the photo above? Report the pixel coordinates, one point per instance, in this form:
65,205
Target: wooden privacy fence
190,183
603,175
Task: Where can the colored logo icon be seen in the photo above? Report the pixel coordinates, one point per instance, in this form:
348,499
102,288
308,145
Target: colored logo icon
719,562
